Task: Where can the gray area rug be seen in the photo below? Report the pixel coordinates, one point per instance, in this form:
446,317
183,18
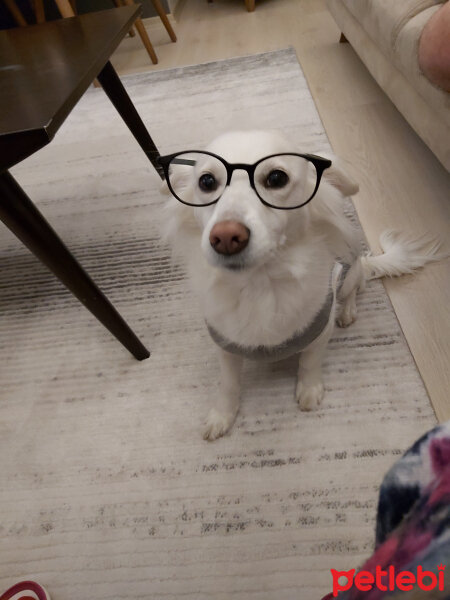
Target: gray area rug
107,488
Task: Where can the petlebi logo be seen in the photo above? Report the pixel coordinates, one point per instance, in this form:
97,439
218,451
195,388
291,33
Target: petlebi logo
388,579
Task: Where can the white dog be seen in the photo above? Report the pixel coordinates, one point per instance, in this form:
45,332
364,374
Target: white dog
273,270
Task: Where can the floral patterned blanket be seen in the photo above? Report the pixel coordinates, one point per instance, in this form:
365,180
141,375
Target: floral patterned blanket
412,546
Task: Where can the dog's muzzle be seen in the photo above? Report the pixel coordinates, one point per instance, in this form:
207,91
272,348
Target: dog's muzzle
229,237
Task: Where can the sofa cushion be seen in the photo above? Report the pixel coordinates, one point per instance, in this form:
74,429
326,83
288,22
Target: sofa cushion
384,19
406,59
419,110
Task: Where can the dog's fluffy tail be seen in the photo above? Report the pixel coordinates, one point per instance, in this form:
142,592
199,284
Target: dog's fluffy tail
401,255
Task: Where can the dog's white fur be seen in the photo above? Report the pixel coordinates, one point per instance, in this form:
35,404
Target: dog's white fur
277,284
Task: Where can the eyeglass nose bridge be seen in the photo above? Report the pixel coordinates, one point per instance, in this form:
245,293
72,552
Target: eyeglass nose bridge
250,170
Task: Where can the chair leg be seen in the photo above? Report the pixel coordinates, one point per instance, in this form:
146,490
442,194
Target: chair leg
22,217
145,39
250,4
115,91
144,36
39,11
15,11
161,12
65,8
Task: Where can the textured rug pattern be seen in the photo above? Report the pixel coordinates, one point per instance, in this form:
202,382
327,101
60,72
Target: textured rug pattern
107,489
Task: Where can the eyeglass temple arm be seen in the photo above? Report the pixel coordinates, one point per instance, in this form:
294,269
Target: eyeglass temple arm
184,161
164,161
325,162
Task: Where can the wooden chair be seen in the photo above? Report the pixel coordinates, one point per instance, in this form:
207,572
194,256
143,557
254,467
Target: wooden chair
67,9
18,16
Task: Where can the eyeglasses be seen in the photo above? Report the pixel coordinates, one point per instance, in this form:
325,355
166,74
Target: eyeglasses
283,181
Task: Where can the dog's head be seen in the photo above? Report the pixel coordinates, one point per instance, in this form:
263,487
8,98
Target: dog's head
241,230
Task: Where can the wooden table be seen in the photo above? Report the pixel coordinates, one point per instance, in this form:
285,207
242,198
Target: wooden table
44,71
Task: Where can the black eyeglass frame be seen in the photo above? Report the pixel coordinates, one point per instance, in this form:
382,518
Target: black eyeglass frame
320,164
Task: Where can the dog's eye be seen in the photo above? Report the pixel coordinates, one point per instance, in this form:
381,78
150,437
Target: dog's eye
207,183
277,179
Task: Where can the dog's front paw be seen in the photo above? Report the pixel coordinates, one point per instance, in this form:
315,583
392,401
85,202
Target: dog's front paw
217,424
348,314
309,396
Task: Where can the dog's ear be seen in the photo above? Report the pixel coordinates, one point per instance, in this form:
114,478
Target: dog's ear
338,176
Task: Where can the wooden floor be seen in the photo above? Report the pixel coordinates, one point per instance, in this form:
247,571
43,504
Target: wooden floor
402,185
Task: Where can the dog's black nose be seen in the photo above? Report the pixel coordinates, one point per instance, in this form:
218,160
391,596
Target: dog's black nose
229,237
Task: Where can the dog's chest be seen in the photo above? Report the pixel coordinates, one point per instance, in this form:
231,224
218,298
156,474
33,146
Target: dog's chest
264,310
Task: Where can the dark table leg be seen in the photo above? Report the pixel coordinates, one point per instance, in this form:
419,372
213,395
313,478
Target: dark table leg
118,95
26,222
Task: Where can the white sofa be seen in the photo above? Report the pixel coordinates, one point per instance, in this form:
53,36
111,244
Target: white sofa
385,34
